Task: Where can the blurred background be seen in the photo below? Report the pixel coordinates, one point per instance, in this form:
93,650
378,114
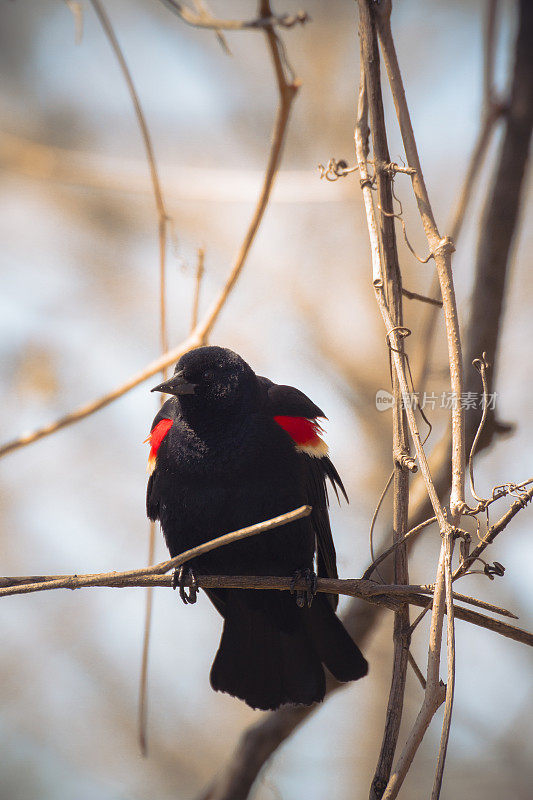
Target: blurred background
79,314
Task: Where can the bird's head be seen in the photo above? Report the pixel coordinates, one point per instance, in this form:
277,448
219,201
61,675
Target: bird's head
214,378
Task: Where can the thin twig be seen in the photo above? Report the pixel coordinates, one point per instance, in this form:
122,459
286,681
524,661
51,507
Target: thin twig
197,286
492,532
203,20
372,526
377,561
482,366
162,236
422,297
417,671
362,588
450,685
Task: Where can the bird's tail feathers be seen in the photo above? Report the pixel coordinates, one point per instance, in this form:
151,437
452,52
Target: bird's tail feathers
266,656
332,642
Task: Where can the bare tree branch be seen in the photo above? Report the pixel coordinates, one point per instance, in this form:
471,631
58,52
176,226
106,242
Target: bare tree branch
390,596
204,20
491,112
501,212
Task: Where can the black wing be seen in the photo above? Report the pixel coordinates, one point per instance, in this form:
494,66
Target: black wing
288,401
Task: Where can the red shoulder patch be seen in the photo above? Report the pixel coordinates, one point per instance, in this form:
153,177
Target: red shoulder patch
155,438
304,432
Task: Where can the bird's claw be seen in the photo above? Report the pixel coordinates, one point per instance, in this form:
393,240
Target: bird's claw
306,595
184,575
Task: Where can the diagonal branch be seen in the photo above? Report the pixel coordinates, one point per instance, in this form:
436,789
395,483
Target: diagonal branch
501,212
287,88
116,578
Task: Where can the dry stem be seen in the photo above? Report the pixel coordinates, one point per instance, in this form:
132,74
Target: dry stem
263,21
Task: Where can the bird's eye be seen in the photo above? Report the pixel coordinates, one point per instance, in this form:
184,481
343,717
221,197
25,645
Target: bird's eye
208,375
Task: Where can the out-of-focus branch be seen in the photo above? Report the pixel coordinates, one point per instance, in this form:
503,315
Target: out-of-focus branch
379,559
197,286
185,183
110,33
162,236
287,89
201,19
422,298
491,111
501,213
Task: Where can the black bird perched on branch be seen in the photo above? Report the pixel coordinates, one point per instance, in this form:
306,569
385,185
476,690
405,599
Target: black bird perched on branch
230,449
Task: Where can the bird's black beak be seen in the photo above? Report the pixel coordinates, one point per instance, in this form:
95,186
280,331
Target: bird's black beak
177,384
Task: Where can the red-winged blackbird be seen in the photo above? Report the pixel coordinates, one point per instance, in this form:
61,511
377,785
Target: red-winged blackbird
230,449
